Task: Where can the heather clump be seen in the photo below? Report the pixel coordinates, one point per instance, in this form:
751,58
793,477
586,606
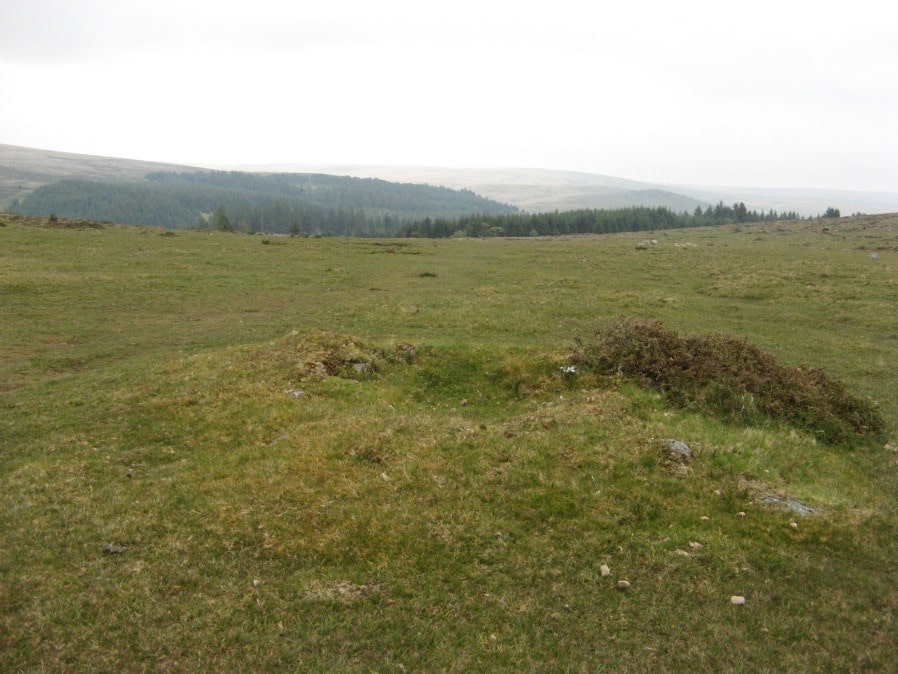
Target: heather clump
729,377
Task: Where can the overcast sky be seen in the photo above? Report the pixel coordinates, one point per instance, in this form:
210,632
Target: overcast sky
773,94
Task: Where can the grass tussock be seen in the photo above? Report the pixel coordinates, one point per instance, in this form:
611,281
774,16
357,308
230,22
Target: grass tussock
727,376
322,354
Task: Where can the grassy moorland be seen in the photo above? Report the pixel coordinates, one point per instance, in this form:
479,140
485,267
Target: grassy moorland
227,452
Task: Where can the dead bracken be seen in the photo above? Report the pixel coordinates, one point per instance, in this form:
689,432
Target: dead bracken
341,590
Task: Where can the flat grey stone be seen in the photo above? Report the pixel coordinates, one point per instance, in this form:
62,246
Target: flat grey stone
796,507
677,447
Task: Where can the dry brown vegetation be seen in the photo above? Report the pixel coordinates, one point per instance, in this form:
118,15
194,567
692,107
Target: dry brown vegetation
725,375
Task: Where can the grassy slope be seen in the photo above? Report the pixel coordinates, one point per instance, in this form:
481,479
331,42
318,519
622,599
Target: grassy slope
24,169
146,403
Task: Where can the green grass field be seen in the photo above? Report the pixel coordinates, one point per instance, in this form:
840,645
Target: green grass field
235,453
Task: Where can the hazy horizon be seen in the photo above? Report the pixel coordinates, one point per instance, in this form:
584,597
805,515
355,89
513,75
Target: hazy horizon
775,95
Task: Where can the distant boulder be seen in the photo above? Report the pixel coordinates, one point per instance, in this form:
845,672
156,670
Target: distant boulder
796,507
679,450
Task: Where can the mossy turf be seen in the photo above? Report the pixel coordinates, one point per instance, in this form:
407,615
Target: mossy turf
349,455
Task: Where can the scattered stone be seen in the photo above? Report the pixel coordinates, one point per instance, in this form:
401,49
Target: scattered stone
605,570
623,585
464,403
873,256
257,583
717,492
682,553
796,507
361,368
114,549
406,353
704,518
736,600
793,525
648,243
741,515
695,545
679,449
298,393
889,447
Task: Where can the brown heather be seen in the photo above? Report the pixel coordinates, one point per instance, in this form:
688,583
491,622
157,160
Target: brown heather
727,376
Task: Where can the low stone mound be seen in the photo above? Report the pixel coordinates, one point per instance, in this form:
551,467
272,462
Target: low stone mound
304,356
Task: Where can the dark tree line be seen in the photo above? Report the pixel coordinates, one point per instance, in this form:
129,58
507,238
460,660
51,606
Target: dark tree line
586,221
283,203
291,203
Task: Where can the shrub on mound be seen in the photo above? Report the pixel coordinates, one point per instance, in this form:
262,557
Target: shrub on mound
727,376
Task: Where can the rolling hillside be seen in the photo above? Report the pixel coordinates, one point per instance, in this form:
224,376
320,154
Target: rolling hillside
536,190
544,190
139,193
24,169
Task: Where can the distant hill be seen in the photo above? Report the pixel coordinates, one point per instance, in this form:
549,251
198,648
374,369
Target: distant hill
41,182
806,201
651,198
534,190
24,169
546,190
275,203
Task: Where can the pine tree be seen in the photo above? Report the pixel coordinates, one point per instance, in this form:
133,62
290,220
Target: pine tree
221,221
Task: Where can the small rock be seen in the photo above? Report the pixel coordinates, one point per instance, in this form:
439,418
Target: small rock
385,477
704,518
737,600
889,447
717,492
679,449
298,393
740,515
623,585
605,570
464,403
113,549
360,367
257,583
406,352
695,545
796,507
793,525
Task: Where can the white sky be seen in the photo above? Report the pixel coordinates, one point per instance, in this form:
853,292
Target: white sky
774,94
